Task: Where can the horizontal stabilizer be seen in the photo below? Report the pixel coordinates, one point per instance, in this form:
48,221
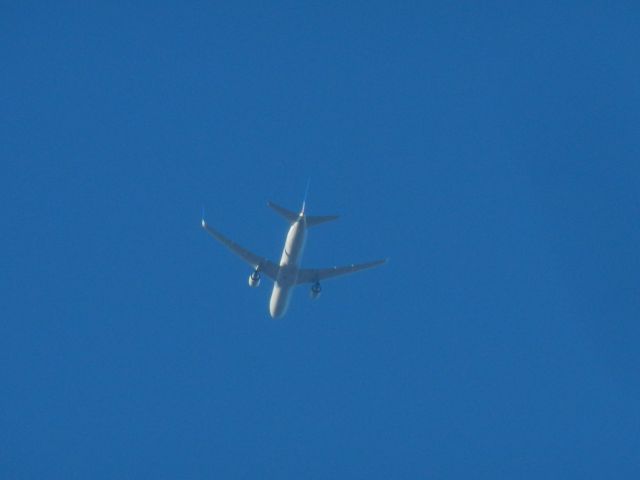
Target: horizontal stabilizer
288,214
316,220
310,220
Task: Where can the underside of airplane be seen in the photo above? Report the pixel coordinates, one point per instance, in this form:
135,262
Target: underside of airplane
287,274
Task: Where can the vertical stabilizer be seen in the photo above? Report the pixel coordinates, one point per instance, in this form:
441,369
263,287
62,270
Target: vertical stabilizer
304,201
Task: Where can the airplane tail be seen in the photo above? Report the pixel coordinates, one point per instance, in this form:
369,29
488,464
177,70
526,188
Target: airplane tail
310,220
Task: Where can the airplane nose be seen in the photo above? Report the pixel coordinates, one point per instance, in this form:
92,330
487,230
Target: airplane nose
274,307
275,311
278,303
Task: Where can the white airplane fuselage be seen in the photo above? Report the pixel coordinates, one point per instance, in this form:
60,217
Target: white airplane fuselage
289,265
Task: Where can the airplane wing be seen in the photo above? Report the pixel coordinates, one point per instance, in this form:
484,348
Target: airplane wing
311,275
266,266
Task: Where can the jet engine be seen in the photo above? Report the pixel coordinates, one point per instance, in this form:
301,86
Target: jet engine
254,279
316,289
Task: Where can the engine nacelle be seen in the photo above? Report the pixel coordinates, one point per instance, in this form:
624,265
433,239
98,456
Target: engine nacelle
316,290
254,279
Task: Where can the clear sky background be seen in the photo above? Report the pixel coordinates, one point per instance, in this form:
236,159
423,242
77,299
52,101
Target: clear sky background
491,151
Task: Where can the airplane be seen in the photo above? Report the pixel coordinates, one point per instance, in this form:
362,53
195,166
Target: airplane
287,274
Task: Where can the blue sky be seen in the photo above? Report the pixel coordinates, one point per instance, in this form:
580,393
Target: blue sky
491,151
